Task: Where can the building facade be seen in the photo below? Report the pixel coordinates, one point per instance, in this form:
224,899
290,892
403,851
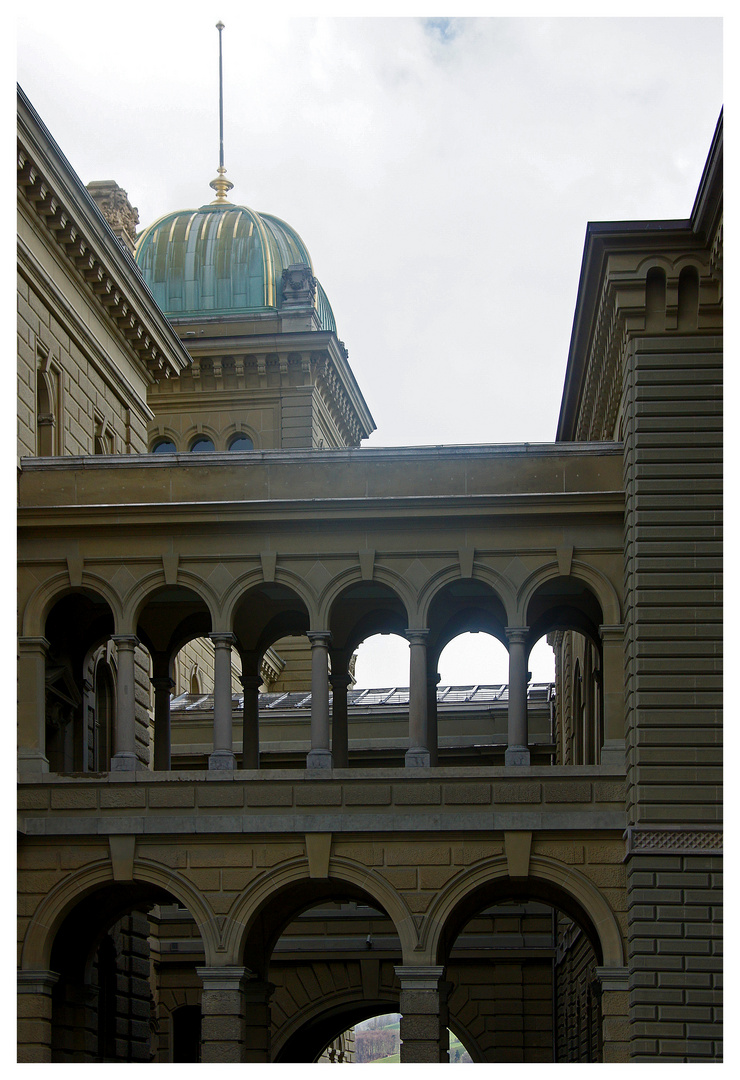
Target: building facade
246,869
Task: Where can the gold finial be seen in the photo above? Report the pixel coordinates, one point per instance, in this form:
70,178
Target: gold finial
220,185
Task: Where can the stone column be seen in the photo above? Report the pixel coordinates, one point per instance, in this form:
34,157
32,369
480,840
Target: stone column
257,1027
163,687
32,759
423,1007
251,721
432,734
223,1008
319,756
613,750
615,1007
418,752
517,751
124,728
340,680
222,756
34,1014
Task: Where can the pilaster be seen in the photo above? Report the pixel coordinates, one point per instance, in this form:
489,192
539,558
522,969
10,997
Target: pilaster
423,1005
34,1015
223,1006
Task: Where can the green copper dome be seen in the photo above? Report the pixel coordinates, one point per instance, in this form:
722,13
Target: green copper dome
223,259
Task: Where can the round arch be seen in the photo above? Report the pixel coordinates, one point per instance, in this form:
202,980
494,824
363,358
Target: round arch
257,897
500,586
192,433
574,889
332,592
139,595
692,262
253,579
320,1022
233,429
654,262
57,904
164,433
55,588
597,582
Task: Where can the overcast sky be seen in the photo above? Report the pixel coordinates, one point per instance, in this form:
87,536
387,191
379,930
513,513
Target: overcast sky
440,171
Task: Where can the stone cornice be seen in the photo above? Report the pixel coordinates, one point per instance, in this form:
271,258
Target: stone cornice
53,192
31,269
322,356
610,303
535,507
375,455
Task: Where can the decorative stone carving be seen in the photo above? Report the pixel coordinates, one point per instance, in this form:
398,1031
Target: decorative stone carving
299,286
112,201
670,840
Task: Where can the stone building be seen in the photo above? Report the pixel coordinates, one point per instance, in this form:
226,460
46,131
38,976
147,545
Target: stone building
248,868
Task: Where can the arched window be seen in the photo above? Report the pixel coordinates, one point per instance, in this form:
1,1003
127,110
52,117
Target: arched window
241,442
164,446
45,414
655,285
202,444
688,298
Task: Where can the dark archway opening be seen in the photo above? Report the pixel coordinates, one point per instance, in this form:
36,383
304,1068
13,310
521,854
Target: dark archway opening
78,628
186,1030
108,956
521,958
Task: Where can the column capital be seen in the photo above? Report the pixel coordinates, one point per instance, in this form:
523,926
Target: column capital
33,644
125,642
251,682
224,978
613,633
339,678
37,982
613,978
517,635
416,637
162,682
319,638
256,991
222,639
419,976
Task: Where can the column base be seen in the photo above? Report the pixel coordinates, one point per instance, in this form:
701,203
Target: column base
319,759
516,755
124,762
223,760
418,758
613,753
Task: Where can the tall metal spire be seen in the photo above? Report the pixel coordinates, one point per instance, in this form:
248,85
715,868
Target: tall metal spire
221,185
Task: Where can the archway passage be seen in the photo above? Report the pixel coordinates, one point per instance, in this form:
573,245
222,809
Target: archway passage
79,683
325,951
169,619
271,618
569,615
112,1001
521,960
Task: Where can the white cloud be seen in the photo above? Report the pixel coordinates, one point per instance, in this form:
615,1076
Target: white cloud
442,184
